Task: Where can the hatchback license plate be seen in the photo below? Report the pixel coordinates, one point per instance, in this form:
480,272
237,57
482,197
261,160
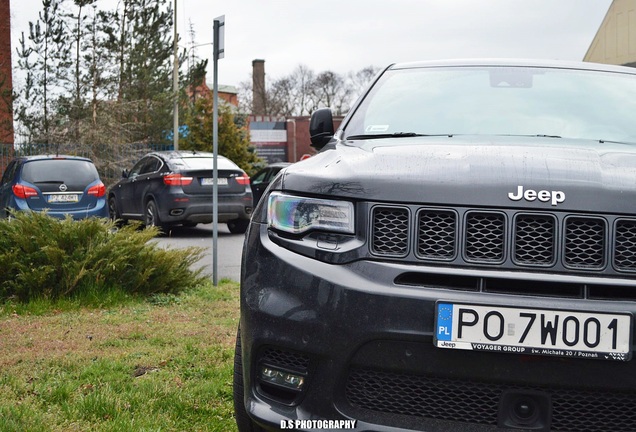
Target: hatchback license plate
222,181
63,198
548,332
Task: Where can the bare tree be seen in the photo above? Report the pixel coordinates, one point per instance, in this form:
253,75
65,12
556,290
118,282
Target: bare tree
302,91
281,97
303,79
330,90
358,81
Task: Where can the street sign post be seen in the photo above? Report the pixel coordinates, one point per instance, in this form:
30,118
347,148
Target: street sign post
219,52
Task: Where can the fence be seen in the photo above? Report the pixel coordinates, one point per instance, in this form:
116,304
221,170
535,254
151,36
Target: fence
110,160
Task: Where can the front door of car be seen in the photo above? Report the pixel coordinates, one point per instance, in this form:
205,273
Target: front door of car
126,189
259,183
149,172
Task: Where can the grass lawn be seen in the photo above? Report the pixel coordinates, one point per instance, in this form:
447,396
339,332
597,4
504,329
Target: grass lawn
159,364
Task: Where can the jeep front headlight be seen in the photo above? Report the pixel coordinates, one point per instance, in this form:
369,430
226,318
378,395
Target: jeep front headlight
296,215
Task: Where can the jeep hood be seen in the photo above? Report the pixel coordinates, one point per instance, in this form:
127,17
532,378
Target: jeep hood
474,171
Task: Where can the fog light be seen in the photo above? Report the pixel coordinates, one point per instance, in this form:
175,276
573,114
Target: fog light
282,378
269,374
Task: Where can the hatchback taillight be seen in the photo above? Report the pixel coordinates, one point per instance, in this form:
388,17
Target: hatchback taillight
24,192
177,180
99,190
242,179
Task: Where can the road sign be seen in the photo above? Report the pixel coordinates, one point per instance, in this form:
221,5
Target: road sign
219,37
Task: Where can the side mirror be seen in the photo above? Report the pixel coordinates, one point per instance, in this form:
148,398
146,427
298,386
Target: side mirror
321,128
124,173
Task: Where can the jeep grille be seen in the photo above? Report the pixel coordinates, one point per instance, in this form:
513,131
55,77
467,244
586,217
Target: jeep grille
437,234
390,231
463,236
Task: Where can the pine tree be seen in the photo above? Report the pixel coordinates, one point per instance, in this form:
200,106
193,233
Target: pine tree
76,83
146,69
44,60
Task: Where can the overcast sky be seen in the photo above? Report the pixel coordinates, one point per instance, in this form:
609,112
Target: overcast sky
348,35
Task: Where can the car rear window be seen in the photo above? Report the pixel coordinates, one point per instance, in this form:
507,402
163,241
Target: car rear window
59,170
202,163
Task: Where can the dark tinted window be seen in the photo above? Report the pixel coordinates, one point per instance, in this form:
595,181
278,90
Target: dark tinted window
136,170
59,170
150,165
260,177
9,172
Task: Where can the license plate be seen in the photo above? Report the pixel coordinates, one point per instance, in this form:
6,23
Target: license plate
548,332
63,198
222,181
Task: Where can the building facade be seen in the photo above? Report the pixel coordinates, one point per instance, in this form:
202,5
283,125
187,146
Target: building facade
6,81
615,40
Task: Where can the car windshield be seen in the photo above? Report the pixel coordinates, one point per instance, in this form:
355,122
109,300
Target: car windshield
59,171
528,101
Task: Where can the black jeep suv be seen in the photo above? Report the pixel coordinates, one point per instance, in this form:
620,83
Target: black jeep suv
460,255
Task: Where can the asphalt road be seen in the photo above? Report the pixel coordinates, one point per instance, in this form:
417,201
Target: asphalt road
229,248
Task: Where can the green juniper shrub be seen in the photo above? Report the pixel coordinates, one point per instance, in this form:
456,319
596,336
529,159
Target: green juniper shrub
43,257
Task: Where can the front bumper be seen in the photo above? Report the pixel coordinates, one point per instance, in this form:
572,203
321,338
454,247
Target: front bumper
365,346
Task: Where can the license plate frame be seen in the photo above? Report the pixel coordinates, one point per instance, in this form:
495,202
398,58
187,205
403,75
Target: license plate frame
534,331
63,198
208,181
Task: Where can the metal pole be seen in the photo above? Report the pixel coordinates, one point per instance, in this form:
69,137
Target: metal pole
175,84
295,156
215,148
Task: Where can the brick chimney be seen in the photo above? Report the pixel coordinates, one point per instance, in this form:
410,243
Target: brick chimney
259,98
6,81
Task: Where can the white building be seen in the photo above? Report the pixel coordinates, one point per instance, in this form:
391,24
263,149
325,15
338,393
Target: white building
615,40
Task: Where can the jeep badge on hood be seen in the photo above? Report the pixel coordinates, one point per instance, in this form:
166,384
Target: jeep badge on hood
555,197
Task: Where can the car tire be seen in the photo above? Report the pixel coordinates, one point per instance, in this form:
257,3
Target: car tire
238,226
113,210
243,420
151,215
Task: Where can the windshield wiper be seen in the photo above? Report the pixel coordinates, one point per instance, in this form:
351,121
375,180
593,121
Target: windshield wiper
393,135
531,136
603,141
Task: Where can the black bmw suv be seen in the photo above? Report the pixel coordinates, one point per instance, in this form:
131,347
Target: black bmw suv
460,256
176,188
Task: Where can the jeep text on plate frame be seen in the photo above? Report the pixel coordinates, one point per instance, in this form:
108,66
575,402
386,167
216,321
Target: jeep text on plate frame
549,332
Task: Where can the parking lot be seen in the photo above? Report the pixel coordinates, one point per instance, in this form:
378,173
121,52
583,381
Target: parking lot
229,247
